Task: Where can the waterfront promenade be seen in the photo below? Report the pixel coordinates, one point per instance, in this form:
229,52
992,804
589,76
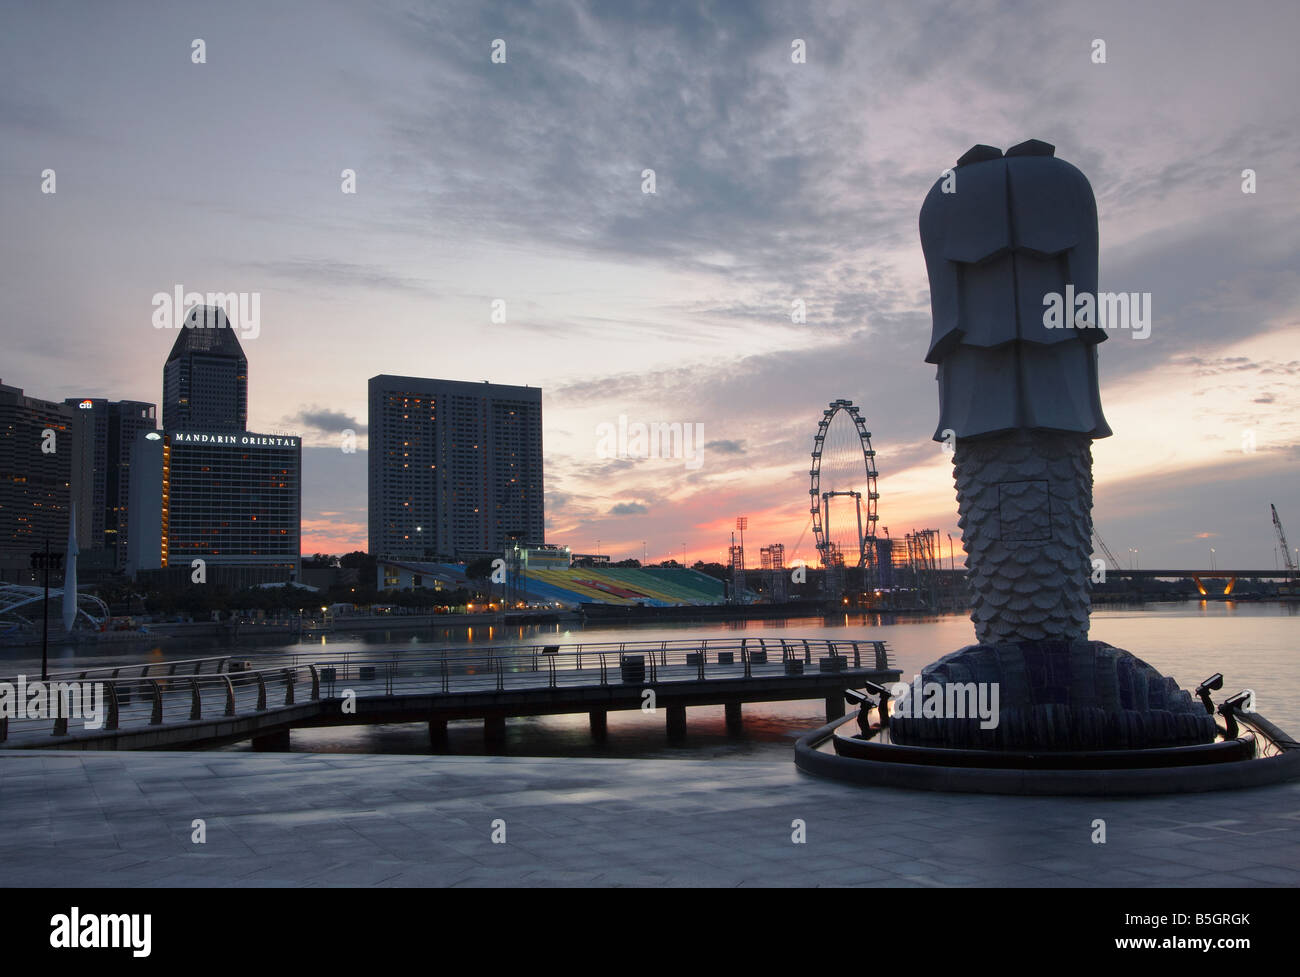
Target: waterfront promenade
125,819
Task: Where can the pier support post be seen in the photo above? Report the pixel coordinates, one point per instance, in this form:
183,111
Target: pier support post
599,719
834,707
438,734
277,742
734,720
676,722
494,730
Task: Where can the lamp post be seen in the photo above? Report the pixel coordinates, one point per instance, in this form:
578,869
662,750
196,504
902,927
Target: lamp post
46,561
1211,559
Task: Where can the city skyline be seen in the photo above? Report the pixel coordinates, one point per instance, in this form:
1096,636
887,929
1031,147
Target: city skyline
523,183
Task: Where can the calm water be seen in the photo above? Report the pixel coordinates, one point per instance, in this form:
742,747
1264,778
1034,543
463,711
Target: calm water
1254,645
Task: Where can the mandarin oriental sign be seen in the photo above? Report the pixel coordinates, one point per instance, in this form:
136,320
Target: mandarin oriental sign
247,440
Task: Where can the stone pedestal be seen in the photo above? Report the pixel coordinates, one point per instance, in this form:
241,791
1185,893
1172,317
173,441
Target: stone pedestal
1075,696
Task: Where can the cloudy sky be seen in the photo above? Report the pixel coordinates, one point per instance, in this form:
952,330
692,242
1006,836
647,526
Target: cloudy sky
523,182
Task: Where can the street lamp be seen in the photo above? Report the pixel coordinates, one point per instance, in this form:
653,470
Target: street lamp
46,561
1211,559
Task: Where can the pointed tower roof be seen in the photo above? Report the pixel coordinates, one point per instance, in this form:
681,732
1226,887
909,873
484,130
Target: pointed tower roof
207,330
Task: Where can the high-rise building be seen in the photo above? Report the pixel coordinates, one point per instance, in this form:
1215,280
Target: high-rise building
232,500
104,465
40,442
205,380
455,467
205,488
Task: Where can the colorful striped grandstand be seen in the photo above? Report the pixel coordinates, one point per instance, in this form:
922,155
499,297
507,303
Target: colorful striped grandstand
648,586
572,587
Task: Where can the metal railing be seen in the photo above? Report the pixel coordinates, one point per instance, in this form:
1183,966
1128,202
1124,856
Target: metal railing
154,693
601,663
862,653
144,700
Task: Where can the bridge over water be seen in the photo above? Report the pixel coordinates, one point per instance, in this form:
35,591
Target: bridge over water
208,701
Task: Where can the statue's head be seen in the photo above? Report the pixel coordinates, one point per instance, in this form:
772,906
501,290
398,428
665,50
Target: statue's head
1010,243
1000,231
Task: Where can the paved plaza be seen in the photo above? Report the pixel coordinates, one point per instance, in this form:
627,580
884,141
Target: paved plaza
125,819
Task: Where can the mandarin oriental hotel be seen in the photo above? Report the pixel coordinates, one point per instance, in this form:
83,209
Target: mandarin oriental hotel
230,498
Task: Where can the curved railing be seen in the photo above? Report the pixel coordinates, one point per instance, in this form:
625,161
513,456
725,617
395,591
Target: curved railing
141,700
603,663
861,653
192,690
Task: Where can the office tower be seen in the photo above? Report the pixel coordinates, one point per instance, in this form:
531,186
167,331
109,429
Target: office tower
233,500
205,488
104,465
205,380
40,441
455,467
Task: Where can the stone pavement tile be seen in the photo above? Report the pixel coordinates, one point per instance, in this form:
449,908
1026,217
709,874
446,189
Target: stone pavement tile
851,875
1058,864
490,878
426,876
1165,870
1016,873
1273,874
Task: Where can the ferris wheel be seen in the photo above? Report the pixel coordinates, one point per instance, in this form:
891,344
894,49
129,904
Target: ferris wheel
843,494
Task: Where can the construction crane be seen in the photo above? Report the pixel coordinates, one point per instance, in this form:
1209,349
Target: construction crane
1104,548
1287,558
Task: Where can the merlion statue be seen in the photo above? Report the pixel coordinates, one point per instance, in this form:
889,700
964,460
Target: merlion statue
1018,400
1002,235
